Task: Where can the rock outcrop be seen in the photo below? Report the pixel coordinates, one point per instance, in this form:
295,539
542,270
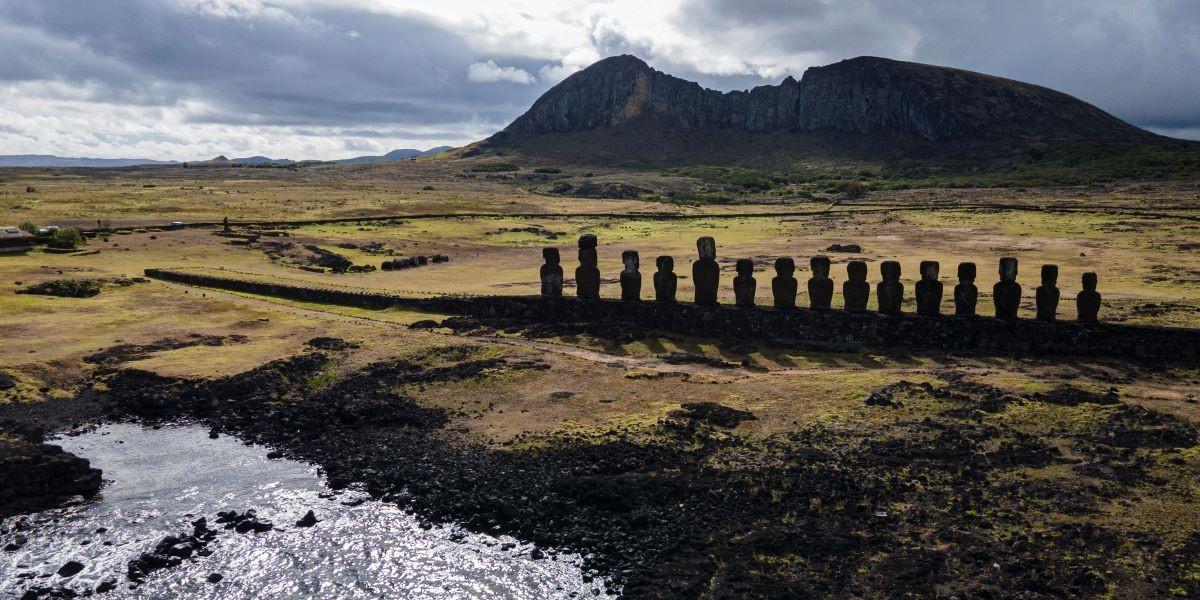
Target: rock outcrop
865,95
40,476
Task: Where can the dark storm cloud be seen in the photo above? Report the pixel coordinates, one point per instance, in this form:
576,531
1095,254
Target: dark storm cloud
295,72
273,67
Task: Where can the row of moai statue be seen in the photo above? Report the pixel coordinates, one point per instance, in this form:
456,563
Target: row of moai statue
856,291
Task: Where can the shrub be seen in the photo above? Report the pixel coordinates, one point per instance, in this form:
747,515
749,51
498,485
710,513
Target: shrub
547,170
495,168
67,288
854,189
68,236
28,227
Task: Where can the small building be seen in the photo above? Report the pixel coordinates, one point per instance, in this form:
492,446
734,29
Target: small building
13,239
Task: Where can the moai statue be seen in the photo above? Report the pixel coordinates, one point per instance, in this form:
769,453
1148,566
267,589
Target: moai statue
587,275
1048,294
1088,300
706,273
552,274
856,290
631,278
890,292
929,289
820,286
966,295
744,284
225,224
784,284
665,280
1007,292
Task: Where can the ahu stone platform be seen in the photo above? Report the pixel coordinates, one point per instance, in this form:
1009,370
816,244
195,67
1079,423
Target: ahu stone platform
968,334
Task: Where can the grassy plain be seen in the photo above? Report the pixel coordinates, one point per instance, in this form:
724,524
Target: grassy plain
1139,237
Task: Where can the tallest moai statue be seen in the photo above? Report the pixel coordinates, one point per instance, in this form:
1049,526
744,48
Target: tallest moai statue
706,273
587,275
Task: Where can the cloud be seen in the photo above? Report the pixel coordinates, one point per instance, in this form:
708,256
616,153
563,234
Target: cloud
490,72
181,78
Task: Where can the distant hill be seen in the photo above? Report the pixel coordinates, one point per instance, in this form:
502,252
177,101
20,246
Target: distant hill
46,160
395,155
261,160
621,110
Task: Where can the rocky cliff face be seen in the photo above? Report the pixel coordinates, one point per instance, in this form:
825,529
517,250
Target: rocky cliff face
864,95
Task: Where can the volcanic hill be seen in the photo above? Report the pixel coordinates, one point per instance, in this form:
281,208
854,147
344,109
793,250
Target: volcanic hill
621,109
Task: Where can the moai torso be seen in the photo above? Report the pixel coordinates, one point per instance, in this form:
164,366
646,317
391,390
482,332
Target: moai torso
890,292
587,275
1006,294
706,273
929,289
744,284
820,286
856,291
665,280
225,223
784,284
552,274
1087,303
966,295
1048,294
631,278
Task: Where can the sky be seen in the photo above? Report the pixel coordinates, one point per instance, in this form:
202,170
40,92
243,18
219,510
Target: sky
191,79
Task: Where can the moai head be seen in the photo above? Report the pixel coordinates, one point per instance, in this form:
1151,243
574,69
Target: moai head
820,267
1089,282
550,255
1049,275
929,270
856,270
745,267
966,272
890,270
1008,269
666,264
630,258
587,241
707,247
785,266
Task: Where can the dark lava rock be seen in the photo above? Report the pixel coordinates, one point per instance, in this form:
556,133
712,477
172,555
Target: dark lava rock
7,382
1072,396
685,358
1133,426
70,568
330,343
425,324
712,414
215,577
171,551
66,288
246,522
850,248
308,520
38,476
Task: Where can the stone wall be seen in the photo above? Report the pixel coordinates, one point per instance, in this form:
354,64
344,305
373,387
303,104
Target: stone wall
960,334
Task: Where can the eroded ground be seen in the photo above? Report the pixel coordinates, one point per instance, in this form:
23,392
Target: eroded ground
790,472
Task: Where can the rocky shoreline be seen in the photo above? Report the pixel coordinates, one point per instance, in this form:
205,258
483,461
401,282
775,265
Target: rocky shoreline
925,508
39,476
